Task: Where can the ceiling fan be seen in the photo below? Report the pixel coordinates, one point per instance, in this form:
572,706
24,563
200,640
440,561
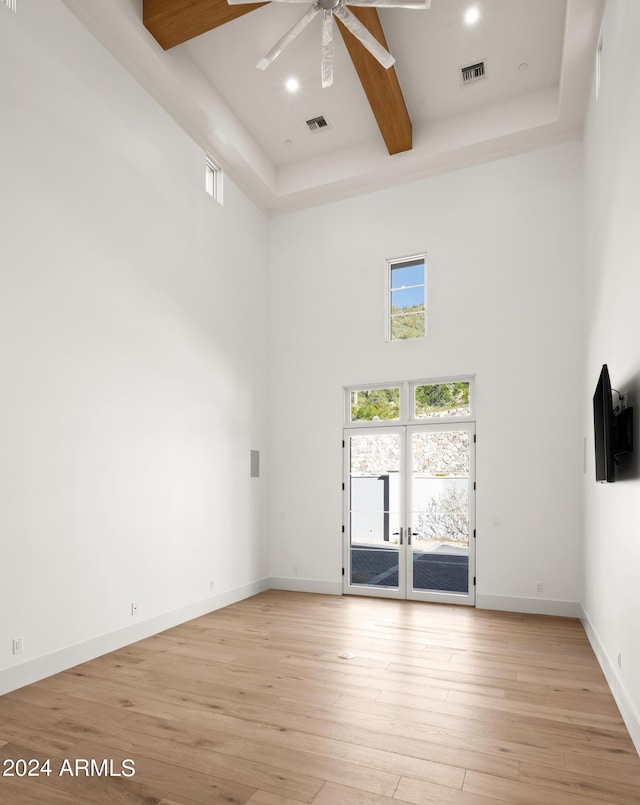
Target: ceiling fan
172,22
330,9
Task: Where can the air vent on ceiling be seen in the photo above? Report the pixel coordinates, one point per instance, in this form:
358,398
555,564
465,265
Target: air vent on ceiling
473,72
317,124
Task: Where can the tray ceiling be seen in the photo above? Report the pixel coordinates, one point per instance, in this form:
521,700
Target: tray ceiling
538,54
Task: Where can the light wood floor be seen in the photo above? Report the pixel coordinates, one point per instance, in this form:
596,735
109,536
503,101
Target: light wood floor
253,704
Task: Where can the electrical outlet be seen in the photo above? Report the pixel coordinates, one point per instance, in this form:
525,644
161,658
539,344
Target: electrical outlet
212,584
619,659
134,608
18,645
539,587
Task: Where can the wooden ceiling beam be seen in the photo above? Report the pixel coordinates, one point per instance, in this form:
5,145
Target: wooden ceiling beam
381,86
172,22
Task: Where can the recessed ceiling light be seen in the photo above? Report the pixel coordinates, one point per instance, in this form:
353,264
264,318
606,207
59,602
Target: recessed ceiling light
472,15
292,84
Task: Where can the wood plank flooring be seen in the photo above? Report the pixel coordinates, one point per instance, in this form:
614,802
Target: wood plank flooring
253,704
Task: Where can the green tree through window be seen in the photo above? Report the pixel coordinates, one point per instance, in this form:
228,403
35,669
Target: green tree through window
440,399
369,405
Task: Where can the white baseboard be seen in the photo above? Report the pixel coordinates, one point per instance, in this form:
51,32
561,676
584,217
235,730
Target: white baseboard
307,586
41,667
616,685
531,606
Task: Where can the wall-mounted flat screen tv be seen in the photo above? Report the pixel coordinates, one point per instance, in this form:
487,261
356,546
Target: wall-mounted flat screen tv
603,428
613,428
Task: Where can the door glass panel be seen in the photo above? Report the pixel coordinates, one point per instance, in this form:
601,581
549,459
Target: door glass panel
374,509
439,517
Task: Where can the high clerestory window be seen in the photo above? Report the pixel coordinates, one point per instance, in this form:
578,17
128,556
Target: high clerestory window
407,298
213,179
599,66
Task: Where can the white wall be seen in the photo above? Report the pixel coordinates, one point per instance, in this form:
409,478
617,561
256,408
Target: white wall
504,256
612,512
134,365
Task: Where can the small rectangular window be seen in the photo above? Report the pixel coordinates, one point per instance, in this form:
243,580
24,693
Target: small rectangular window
407,298
374,405
213,179
598,67
442,400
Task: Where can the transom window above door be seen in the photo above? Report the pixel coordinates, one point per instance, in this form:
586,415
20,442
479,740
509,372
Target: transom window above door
374,404
439,400
442,400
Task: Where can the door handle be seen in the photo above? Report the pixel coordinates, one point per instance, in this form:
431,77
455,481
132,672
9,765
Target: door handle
399,534
408,536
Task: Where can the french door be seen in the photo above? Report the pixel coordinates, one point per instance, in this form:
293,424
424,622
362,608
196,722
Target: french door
409,512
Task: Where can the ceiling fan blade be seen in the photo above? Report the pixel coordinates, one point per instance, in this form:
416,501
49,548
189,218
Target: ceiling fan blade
420,4
361,33
288,38
327,49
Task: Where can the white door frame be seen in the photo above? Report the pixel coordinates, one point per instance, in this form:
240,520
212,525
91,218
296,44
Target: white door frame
405,549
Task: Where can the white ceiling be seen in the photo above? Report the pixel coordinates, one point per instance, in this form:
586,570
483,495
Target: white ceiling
245,116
